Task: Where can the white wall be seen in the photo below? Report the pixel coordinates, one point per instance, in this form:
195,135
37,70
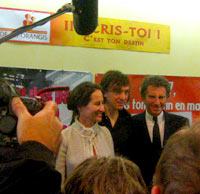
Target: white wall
182,16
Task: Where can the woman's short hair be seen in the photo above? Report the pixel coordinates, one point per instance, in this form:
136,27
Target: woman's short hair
112,175
80,96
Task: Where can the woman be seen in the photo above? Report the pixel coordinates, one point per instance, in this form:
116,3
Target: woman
85,137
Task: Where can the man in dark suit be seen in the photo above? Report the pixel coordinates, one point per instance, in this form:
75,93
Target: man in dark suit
153,127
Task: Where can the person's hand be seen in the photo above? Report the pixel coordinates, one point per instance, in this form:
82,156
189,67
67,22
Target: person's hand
44,127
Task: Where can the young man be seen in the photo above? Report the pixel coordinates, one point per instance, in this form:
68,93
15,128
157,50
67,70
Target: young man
153,127
116,86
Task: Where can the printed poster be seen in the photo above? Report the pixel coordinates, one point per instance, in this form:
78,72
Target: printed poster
30,81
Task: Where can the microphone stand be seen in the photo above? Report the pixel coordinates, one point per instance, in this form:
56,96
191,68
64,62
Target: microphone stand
66,8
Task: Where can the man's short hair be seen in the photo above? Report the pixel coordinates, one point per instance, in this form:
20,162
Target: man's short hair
114,78
156,81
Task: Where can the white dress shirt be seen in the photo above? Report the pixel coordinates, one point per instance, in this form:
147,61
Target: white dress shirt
150,123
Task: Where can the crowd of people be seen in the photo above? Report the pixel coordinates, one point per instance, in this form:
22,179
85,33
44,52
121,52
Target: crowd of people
105,149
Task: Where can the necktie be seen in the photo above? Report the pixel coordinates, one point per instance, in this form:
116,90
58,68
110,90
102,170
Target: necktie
156,134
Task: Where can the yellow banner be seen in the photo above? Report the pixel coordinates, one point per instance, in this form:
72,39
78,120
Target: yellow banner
113,34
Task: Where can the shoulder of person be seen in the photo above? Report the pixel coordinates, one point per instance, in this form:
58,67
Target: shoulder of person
125,112
104,129
179,119
137,116
68,129
125,116
172,115
22,173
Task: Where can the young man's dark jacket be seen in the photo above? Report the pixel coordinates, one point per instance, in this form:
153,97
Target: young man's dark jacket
120,132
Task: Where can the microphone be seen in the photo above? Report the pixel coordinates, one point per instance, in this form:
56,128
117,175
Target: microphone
85,16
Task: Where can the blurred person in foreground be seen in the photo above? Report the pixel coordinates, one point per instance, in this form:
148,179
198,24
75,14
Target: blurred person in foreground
111,175
29,167
178,170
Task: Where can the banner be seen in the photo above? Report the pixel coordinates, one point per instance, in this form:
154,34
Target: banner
110,33
12,19
184,99
29,82
113,34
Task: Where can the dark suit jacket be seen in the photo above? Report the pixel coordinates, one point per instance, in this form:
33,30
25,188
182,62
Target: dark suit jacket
28,169
143,152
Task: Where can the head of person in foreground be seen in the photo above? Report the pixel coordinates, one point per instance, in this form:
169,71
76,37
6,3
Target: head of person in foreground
178,170
106,175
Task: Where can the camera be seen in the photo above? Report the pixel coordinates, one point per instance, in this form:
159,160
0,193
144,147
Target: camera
8,120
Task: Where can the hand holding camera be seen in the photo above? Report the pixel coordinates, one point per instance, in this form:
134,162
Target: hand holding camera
8,119
27,119
43,127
